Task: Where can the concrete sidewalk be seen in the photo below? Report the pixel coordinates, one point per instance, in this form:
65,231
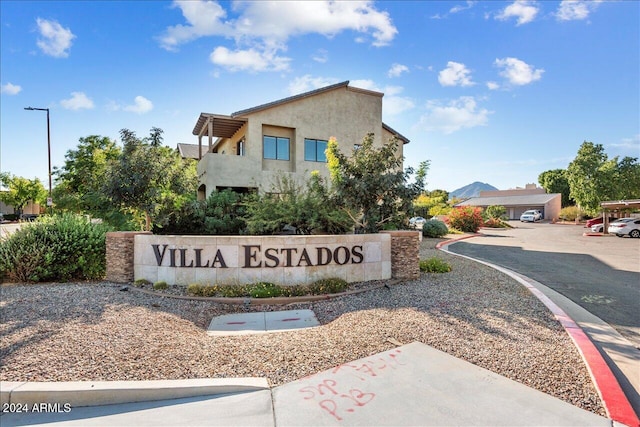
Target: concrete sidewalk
410,385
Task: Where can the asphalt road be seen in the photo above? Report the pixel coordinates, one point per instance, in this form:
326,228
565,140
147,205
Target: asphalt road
601,274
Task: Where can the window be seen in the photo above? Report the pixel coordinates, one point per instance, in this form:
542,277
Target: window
314,150
240,147
275,147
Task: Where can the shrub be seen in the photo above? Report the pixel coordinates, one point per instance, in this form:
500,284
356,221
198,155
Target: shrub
328,286
434,265
194,289
466,218
159,286
265,290
496,223
434,228
141,282
268,290
221,214
570,213
55,248
495,212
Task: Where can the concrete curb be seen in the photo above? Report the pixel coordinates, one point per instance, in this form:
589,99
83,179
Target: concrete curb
615,401
94,393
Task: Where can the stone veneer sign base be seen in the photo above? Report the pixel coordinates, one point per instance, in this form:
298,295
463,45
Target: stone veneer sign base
263,322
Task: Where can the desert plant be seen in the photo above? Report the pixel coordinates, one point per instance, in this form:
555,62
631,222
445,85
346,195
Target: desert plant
496,223
434,228
570,213
466,218
495,212
160,286
141,282
328,286
265,290
55,248
434,265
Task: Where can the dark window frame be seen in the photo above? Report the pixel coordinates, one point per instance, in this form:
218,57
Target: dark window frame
316,155
276,141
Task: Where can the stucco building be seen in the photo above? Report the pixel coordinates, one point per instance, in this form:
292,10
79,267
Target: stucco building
518,200
249,149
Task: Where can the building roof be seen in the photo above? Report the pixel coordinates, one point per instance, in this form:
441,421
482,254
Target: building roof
621,204
189,151
524,200
227,126
291,99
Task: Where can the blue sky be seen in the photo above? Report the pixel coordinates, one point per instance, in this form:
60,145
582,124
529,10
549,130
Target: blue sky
487,91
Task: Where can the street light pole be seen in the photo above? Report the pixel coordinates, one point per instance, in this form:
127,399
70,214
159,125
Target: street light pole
50,199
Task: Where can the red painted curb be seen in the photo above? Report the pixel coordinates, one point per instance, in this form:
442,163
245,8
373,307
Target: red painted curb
439,245
615,401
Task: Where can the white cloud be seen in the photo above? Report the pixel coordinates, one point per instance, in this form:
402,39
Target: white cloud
141,105
632,143
524,10
11,89
575,10
262,28
518,72
77,101
456,74
460,8
55,40
397,69
395,105
321,56
277,20
204,18
307,83
458,114
249,60
493,86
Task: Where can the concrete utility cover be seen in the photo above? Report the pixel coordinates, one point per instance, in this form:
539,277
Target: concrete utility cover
262,322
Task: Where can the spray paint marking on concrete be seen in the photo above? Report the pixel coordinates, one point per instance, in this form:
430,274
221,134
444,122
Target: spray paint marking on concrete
339,400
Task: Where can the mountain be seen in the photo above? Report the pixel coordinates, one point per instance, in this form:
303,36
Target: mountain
471,190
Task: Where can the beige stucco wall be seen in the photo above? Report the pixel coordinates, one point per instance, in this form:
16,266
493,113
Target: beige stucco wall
553,207
233,266
346,113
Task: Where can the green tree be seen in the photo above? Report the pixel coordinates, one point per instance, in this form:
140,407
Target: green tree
594,178
555,181
21,191
79,182
149,179
308,208
371,186
428,200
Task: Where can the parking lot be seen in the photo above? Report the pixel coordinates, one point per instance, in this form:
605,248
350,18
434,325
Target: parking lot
599,273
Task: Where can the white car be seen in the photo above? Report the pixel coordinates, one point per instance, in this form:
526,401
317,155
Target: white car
625,226
599,228
417,221
531,216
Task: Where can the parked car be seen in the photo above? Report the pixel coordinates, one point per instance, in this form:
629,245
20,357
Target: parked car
532,215
625,226
417,222
595,221
599,226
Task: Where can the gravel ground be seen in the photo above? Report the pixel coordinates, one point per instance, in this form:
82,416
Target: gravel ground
92,331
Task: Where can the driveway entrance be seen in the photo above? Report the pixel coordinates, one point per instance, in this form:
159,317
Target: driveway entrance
601,274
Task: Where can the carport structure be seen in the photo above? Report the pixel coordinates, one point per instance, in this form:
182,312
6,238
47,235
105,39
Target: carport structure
616,206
